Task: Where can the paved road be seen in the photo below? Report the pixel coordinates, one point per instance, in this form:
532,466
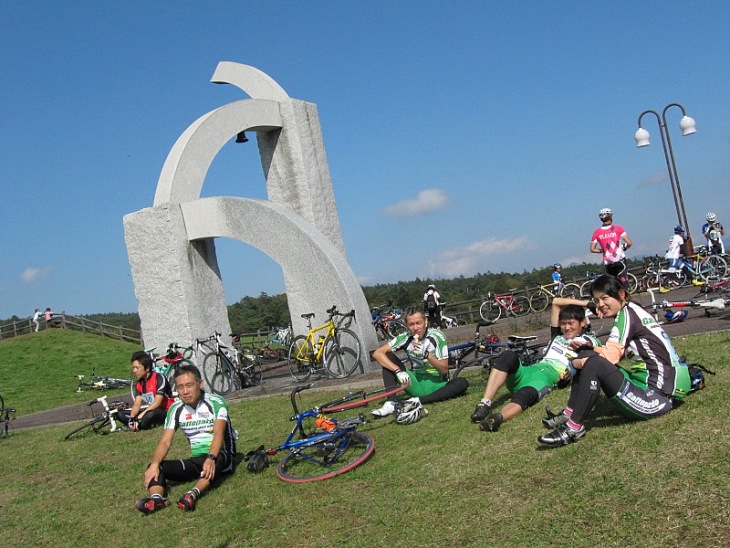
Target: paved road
277,379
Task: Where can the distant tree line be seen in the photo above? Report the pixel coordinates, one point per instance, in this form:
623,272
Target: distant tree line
267,311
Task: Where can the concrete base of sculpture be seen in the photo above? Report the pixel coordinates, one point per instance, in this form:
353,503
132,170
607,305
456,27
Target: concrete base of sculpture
184,285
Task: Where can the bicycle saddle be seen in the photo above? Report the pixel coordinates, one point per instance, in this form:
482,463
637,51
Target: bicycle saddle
517,340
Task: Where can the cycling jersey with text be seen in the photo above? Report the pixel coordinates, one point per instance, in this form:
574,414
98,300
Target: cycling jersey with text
609,240
434,342
651,357
197,424
152,386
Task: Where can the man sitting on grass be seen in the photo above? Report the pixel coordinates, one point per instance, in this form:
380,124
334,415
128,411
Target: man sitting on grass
428,379
204,421
152,395
528,384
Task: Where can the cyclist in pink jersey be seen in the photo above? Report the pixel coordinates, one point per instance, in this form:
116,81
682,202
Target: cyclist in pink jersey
612,241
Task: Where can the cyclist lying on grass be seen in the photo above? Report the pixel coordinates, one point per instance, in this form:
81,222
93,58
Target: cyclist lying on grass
428,380
152,395
644,385
204,421
528,384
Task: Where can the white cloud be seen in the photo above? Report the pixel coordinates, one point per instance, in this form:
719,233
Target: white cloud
467,260
427,200
30,274
658,178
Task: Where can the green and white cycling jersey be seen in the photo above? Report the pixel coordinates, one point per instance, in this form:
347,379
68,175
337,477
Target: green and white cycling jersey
559,353
651,360
197,424
434,343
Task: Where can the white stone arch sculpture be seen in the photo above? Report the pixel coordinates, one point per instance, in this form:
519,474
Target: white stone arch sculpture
171,245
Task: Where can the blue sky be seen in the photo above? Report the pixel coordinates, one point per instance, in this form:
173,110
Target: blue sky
462,137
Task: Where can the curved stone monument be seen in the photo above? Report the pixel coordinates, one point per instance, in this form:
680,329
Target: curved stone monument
171,245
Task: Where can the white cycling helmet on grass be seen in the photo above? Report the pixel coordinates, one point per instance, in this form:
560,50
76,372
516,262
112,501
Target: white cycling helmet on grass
411,411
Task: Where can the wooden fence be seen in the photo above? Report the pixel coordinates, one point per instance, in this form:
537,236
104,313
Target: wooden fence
77,323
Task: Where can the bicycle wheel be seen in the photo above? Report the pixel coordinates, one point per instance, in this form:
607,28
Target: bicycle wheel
253,373
490,311
218,373
300,355
394,328
570,291
475,372
585,290
539,301
342,353
712,266
326,459
97,424
672,280
173,369
631,283
520,306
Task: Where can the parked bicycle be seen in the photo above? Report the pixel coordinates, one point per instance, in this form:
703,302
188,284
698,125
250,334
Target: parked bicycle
104,422
479,352
282,336
320,447
222,370
327,348
169,363
544,294
447,322
101,382
702,266
632,285
477,371
7,414
387,322
509,303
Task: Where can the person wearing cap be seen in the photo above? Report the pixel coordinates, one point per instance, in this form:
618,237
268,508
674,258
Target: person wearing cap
557,278
675,248
612,241
714,231
432,305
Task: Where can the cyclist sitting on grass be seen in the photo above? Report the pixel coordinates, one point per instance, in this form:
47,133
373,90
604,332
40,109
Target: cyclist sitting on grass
428,380
528,384
204,420
153,396
642,387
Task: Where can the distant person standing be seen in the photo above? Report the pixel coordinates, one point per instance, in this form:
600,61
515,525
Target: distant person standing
36,317
557,278
48,316
714,231
675,248
612,241
432,306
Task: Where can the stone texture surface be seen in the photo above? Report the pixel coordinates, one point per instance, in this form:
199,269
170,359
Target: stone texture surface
177,282
171,246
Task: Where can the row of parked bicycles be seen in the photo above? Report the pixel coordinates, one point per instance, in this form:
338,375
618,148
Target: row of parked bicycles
699,269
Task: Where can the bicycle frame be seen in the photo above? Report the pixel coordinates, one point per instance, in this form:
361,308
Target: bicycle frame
317,342
323,449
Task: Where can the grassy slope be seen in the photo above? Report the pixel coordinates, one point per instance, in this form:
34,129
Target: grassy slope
439,482
38,371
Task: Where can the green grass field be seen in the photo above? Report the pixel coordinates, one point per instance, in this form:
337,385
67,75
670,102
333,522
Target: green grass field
439,482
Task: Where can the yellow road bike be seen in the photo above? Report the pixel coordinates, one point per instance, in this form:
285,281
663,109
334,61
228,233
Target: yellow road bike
544,295
330,348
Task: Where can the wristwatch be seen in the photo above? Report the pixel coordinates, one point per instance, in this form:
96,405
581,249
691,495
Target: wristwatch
211,456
